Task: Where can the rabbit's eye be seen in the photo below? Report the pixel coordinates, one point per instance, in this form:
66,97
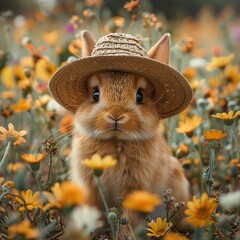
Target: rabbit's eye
139,96
96,95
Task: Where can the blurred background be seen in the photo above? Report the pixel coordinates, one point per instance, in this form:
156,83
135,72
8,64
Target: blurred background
213,24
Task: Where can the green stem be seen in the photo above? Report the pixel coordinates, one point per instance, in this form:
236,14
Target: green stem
4,158
50,170
200,165
235,139
101,192
211,169
38,180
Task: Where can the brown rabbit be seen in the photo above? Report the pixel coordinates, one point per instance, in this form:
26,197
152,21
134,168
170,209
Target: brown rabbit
118,115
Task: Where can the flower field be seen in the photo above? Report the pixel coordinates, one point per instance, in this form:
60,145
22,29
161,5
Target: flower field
37,198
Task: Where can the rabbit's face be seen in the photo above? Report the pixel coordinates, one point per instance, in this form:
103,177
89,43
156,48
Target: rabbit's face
119,105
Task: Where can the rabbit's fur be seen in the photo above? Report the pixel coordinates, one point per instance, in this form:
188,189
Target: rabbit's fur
119,126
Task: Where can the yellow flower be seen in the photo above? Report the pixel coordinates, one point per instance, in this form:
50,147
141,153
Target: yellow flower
200,210
214,134
228,118
174,236
45,69
189,125
98,163
141,201
31,159
12,135
22,105
24,228
219,62
66,194
232,74
75,47
12,75
158,228
29,201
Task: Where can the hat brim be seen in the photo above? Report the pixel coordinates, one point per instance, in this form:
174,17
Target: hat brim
173,93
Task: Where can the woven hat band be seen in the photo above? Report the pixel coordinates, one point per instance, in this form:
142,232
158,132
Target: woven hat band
119,44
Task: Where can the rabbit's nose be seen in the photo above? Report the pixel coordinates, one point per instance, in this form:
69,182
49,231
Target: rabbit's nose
115,115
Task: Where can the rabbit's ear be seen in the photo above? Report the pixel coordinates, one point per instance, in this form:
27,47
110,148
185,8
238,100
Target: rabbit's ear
160,51
88,43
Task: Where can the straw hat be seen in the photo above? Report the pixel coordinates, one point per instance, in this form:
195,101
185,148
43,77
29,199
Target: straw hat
122,52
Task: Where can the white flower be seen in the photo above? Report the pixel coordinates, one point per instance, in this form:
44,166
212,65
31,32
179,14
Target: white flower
230,200
54,106
198,63
86,219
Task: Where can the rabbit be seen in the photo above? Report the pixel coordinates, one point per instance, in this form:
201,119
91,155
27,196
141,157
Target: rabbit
118,117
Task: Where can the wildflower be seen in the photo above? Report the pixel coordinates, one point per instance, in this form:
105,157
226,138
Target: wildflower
92,3
158,228
10,184
12,75
130,6
182,150
14,167
219,62
45,69
232,74
75,47
76,22
189,73
29,201
228,118
6,112
35,52
86,219
230,200
141,201
214,134
200,210
114,24
187,45
64,195
88,13
23,228
99,164
8,94
51,38
12,135
42,101
189,125
22,105
32,160
66,124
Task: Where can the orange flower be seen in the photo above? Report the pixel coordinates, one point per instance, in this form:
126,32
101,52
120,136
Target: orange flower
12,135
22,105
114,24
190,73
23,229
64,195
187,45
66,124
214,134
174,236
75,47
130,6
141,201
232,74
14,167
220,62
51,38
42,101
8,94
31,159
189,125
200,210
